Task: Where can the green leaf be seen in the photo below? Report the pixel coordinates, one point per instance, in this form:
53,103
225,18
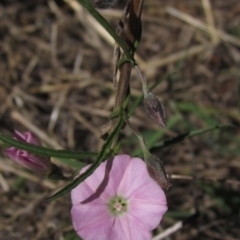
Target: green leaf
108,28
72,162
184,136
43,151
104,151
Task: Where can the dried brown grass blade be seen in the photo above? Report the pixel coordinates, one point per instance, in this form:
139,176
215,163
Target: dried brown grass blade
199,24
210,21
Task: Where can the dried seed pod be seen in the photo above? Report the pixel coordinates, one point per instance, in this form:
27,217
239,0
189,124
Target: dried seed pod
104,3
155,109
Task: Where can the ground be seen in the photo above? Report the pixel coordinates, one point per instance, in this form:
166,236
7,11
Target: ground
56,81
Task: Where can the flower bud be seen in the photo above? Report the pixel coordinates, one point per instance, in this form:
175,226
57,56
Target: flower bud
157,171
38,164
154,109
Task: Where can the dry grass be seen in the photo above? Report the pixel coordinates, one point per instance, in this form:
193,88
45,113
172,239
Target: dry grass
56,80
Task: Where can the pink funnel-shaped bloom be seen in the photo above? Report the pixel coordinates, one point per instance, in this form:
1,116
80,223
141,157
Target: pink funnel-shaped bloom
41,165
118,201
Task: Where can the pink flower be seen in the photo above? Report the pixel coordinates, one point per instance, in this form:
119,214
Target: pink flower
41,165
118,201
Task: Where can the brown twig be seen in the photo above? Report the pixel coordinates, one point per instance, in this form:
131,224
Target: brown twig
132,34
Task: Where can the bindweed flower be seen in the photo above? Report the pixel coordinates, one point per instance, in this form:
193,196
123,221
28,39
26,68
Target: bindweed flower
40,165
118,201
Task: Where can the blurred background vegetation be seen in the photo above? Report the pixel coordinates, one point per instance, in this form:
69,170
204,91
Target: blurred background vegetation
56,80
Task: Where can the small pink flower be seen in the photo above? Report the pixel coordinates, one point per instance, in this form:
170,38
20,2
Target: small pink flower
41,165
118,201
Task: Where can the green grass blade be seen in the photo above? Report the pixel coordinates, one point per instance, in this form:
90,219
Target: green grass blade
107,27
71,162
43,151
184,136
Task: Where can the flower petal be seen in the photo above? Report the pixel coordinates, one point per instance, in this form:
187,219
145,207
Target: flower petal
35,163
150,214
119,165
91,221
126,227
103,182
95,186
134,177
28,137
147,200
38,164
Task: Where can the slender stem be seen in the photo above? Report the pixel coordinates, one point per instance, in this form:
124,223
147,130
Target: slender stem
145,150
143,81
132,35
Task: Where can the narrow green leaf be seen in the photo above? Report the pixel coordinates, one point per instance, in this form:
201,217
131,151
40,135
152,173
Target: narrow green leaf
43,151
184,136
93,167
108,28
72,162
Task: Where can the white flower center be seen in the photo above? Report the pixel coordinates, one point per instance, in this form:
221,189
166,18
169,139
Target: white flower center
118,205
